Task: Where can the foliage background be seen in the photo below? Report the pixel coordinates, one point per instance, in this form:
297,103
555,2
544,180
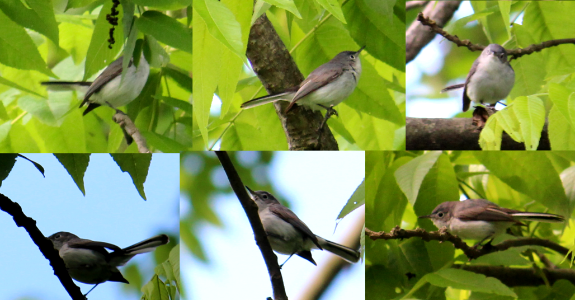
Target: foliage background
68,40
544,83
314,31
218,245
404,185
112,211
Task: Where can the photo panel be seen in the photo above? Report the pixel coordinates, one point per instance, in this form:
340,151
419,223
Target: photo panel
490,75
469,225
321,191
113,219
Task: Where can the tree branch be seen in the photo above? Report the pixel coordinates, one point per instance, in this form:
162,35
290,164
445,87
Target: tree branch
455,134
415,4
277,71
418,35
44,244
516,53
471,252
251,210
131,133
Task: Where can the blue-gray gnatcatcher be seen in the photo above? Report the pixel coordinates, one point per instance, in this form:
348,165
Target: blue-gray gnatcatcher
325,87
89,262
490,79
479,219
288,235
109,89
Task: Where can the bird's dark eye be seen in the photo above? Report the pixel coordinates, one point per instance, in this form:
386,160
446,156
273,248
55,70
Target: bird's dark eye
265,196
440,215
352,56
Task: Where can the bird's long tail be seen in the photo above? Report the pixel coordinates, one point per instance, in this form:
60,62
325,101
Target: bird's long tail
344,252
287,96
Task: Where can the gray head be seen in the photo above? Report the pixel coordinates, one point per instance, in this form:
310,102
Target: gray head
59,238
262,197
442,214
495,50
351,57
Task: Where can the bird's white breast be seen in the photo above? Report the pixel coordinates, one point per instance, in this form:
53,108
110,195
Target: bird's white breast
491,82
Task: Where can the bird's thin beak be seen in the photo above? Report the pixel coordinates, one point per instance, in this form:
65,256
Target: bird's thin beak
360,50
250,190
425,217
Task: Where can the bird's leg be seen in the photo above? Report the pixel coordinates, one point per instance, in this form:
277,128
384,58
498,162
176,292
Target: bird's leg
286,261
91,289
329,112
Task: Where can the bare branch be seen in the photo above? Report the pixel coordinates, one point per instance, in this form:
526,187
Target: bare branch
44,244
251,210
455,134
415,4
516,53
471,252
130,131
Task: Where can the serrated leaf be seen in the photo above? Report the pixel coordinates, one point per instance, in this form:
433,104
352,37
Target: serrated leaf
76,165
137,166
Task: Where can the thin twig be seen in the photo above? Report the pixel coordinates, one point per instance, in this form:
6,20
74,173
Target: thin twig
130,131
471,252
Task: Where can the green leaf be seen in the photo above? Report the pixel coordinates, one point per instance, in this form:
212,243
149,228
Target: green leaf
137,166
490,136
334,8
38,16
531,114
182,79
288,5
356,200
410,176
166,30
76,165
9,83
561,132
7,162
99,55
530,173
181,104
164,4
465,280
163,143
222,24
369,18
206,69
17,49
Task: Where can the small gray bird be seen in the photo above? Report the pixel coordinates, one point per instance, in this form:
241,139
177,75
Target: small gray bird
479,219
289,235
89,262
109,89
490,79
325,87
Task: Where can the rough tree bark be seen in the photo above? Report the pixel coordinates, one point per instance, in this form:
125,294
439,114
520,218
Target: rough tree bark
455,134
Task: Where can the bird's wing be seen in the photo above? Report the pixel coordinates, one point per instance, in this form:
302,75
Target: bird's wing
93,245
314,82
113,70
466,100
288,216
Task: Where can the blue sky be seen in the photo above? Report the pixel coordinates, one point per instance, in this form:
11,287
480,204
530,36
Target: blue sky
112,211
317,184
